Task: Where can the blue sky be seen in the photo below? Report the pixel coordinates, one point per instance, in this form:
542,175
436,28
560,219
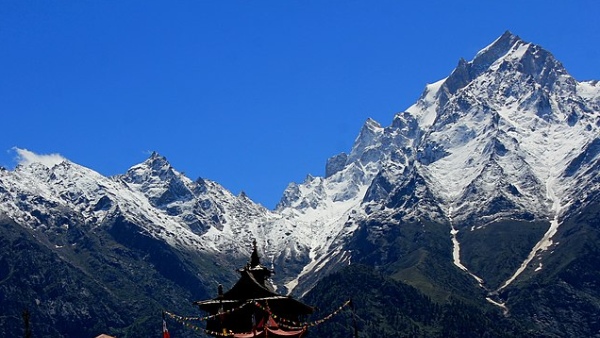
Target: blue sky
251,94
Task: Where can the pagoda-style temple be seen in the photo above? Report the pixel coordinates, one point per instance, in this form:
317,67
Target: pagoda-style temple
251,308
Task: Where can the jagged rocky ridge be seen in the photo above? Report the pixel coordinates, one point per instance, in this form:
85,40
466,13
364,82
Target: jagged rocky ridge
500,154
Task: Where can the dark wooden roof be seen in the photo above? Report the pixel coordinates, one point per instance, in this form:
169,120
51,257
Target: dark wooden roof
253,285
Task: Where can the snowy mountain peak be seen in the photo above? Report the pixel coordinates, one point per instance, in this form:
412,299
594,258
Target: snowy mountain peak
156,166
512,114
367,138
507,53
465,72
335,164
488,55
508,59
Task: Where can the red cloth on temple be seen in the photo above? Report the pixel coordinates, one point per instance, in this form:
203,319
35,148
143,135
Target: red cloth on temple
272,330
271,333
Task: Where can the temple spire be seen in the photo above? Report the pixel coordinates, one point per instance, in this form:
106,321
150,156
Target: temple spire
254,259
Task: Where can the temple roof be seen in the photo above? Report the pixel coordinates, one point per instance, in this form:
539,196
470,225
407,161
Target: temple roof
253,285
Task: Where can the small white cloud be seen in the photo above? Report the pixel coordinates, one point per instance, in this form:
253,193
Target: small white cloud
26,157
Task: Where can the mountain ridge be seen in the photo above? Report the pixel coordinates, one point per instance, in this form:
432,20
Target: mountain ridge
502,151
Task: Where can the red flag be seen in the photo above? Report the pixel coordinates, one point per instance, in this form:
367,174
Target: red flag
165,331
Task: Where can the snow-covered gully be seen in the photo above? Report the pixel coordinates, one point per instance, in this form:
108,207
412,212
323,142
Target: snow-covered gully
456,251
460,265
546,241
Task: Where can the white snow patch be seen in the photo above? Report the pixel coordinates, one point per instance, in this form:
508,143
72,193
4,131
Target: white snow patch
425,110
589,89
320,228
501,305
456,251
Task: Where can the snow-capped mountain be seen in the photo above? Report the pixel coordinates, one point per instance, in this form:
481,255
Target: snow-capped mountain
507,135
508,139
502,129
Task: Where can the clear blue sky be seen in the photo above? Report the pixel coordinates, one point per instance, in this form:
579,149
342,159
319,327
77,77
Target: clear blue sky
252,94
